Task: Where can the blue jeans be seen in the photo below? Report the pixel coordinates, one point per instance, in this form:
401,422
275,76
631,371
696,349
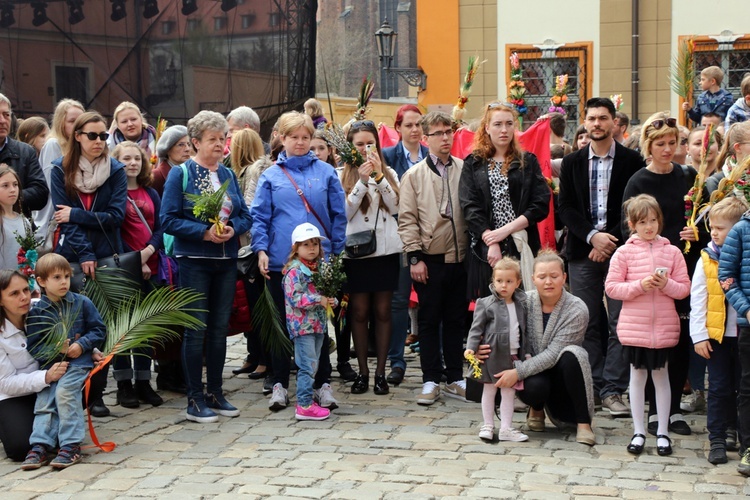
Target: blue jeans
58,413
306,354
723,381
400,314
216,280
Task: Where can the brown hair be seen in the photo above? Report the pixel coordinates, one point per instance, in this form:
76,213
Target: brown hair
650,133
483,147
714,72
73,155
638,207
730,209
745,85
58,121
737,133
548,255
579,132
507,264
144,177
6,169
295,248
246,148
319,135
31,128
49,263
6,276
350,175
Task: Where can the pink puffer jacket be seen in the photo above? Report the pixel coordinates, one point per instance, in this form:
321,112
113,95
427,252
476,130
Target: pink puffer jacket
648,319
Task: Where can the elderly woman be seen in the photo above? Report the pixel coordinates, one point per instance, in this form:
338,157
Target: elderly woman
173,149
207,254
503,196
298,188
557,376
20,376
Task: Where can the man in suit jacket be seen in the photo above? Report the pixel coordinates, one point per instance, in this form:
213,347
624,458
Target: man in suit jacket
404,155
592,182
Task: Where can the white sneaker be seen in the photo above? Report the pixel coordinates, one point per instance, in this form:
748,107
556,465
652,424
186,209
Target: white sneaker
512,435
487,432
279,399
695,401
456,390
430,393
324,397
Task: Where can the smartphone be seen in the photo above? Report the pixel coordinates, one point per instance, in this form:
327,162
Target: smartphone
370,149
661,271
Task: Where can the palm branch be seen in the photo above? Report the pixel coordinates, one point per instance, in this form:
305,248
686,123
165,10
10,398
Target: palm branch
267,320
111,287
54,331
363,99
682,72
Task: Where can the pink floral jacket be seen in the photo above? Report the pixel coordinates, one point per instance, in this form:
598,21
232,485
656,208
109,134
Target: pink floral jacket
304,313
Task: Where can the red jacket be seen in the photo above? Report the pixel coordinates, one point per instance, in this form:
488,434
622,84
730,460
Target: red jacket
648,318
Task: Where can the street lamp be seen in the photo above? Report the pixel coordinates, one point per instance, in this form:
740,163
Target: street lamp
386,42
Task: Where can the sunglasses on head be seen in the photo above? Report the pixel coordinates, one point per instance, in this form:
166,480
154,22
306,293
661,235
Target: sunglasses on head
669,122
494,105
362,124
92,136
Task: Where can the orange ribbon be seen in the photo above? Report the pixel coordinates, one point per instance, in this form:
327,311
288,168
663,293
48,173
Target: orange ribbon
109,445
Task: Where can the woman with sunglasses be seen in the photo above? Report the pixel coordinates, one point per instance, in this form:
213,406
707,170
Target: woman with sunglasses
503,196
666,181
372,201
89,192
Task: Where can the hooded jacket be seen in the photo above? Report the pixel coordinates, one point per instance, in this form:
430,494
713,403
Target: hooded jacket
648,318
734,269
738,112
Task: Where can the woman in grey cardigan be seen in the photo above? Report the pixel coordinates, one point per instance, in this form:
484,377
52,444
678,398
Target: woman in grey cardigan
557,376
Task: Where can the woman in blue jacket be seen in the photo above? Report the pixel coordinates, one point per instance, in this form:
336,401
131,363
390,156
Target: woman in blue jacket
278,207
89,190
208,260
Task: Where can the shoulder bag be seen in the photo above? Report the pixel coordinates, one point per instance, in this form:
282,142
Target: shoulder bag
362,243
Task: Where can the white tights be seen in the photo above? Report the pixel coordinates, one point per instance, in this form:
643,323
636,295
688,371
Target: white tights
506,405
660,377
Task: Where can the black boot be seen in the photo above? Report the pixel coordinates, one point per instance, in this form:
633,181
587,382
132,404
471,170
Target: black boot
126,395
146,393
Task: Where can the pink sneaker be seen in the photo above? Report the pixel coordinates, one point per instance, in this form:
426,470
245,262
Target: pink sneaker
312,412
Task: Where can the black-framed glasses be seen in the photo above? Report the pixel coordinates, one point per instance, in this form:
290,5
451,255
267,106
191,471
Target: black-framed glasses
441,133
362,124
92,136
669,122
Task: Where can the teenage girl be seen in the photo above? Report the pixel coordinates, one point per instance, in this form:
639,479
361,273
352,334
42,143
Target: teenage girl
11,220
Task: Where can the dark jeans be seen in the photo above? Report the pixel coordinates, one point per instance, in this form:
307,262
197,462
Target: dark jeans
400,313
139,369
611,373
16,422
442,300
743,399
215,279
723,379
255,351
281,363
561,388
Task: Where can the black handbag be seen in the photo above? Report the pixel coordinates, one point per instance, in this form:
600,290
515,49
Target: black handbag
362,243
129,262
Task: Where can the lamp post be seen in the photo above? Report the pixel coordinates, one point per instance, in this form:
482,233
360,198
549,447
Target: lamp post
386,43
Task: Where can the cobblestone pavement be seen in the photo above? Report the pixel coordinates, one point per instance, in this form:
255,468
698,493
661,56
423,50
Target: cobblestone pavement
372,447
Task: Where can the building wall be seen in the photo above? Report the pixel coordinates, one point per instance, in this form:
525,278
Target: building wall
478,36
344,107
437,54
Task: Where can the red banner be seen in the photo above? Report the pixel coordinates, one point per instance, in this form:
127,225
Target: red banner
536,140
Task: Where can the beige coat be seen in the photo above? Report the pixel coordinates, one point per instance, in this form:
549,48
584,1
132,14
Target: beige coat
423,223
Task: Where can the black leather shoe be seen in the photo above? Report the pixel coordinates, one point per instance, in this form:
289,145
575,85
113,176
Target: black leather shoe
653,427
247,367
664,450
396,376
361,384
126,395
680,427
268,385
636,449
380,387
146,393
98,409
257,375
346,372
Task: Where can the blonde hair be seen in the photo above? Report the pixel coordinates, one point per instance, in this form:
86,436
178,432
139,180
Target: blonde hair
246,148
483,147
313,108
122,107
649,134
49,263
714,72
638,207
507,264
736,134
745,85
730,209
58,121
548,255
295,248
292,120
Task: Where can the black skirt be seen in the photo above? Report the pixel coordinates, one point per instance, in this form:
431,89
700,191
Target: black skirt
644,358
372,274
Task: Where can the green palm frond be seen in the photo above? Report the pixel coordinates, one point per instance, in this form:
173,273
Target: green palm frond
110,288
682,72
53,332
142,321
267,320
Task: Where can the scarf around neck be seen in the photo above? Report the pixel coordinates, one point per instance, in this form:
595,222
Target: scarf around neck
91,175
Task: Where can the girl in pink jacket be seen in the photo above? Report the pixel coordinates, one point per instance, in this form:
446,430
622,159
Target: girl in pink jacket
647,274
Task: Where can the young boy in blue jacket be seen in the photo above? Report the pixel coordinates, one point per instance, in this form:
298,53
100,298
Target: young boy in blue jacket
734,276
58,413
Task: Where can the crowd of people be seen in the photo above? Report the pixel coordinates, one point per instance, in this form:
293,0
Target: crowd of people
614,313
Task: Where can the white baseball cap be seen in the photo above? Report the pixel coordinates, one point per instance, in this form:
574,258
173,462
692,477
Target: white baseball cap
305,232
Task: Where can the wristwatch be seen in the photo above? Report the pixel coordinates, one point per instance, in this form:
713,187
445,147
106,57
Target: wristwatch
413,260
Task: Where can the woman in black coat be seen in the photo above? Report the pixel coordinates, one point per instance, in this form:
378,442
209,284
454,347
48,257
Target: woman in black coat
502,192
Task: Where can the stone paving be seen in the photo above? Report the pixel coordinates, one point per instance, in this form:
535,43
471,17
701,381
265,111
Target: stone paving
372,447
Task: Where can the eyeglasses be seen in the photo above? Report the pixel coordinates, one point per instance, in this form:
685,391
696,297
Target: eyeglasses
362,124
669,122
441,133
92,136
